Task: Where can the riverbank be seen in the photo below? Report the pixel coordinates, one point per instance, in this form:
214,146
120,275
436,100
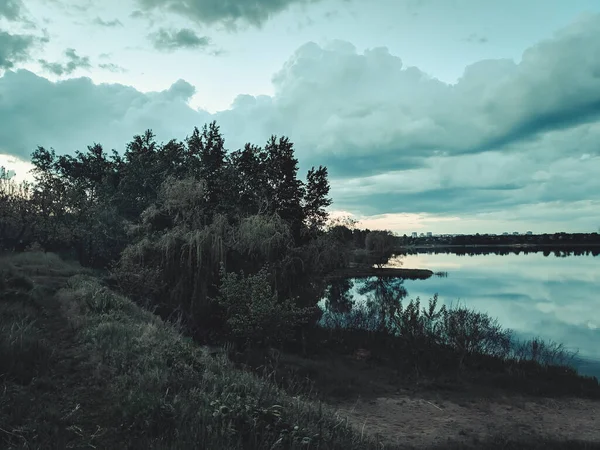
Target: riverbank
83,367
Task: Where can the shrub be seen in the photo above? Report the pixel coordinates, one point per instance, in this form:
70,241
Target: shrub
253,313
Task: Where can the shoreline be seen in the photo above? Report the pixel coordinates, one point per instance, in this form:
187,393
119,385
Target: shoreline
442,246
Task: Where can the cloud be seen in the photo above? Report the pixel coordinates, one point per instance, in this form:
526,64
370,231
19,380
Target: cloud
180,90
71,114
10,9
74,62
184,38
108,23
516,137
111,67
356,105
15,48
209,12
548,171
137,14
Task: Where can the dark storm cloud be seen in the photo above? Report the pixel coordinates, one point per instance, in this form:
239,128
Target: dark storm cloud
185,38
254,12
74,62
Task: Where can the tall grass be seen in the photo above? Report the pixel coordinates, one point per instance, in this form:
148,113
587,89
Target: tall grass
436,340
23,352
167,393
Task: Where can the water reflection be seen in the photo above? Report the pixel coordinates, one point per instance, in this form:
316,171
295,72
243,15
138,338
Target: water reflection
534,295
338,296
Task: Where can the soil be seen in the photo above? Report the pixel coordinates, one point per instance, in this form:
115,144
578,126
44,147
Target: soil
423,419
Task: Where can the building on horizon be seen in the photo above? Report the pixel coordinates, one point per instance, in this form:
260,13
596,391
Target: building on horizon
529,233
415,234
429,234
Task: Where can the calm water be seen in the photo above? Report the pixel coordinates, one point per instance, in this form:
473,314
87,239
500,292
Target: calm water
556,299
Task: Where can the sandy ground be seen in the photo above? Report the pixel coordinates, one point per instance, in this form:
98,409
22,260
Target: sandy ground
425,420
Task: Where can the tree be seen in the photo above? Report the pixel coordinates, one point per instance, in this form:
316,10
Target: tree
284,188
140,177
316,200
208,162
16,211
253,193
380,244
49,199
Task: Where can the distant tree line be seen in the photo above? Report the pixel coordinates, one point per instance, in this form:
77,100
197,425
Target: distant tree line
560,252
555,239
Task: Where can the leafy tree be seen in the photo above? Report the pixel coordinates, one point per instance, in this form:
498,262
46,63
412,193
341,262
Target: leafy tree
380,244
209,162
252,190
316,200
284,188
17,219
140,177
49,198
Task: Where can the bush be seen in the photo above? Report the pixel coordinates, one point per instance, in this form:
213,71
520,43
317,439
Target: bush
253,313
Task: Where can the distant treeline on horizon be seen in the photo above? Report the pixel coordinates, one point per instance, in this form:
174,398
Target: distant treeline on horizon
562,240
560,252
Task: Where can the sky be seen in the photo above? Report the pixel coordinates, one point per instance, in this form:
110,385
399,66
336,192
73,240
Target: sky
449,116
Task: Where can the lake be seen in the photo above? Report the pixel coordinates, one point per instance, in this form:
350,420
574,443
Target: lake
554,298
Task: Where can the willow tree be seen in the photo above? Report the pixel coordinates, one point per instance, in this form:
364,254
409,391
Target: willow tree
176,265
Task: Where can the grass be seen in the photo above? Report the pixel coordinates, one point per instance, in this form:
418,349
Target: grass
455,344
84,367
152,387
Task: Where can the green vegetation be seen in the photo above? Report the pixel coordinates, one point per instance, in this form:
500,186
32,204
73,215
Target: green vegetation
186,244
155,388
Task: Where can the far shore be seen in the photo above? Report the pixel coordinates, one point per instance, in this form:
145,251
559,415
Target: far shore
551,246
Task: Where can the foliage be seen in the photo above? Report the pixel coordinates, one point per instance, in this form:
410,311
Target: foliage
380,244
253,312
164,217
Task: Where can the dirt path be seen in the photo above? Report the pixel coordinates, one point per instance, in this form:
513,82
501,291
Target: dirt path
422,420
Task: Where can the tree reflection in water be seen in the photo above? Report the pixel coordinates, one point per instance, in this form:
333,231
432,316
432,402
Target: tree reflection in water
381,299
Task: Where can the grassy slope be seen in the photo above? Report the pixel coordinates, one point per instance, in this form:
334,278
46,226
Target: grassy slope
82,367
